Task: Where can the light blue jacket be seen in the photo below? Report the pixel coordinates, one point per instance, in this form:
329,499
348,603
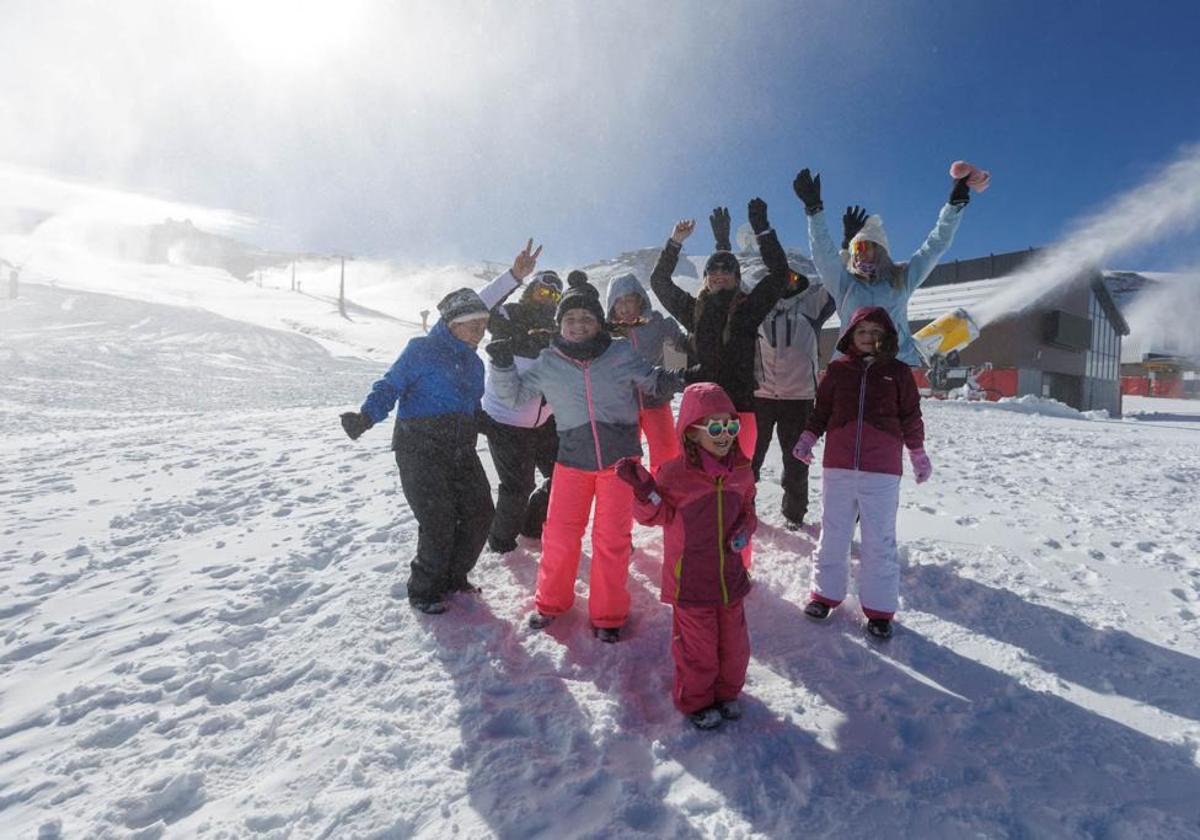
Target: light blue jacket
851,292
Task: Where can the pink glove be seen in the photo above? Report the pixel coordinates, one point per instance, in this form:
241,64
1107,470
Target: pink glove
802,451
922,468
977,179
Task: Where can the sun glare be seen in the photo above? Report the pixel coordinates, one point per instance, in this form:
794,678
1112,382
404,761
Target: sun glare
289,34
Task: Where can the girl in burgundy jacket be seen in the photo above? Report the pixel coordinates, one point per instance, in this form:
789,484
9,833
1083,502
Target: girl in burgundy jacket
704,499
869,406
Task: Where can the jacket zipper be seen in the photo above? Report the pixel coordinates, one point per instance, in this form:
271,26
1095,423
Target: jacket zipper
721,537
633,341
862,399
587,387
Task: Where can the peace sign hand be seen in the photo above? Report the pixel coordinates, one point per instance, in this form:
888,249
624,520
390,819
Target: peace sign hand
525,261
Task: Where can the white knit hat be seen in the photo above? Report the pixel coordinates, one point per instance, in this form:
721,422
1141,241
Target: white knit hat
872,231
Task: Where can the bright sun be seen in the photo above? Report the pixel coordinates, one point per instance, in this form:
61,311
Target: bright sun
289,33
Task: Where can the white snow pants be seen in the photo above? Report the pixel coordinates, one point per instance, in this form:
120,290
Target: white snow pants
875,497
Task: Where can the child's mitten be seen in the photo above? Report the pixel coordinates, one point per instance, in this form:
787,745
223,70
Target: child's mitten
802,451
635,475
922,467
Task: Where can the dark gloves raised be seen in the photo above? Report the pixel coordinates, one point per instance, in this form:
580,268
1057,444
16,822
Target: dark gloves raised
808,190
500,352
852,222
961,194
355,423
720,228
635,475
757,210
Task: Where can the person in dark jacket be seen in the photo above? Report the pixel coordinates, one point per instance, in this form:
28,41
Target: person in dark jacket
435,386
722,320
522,440
869,407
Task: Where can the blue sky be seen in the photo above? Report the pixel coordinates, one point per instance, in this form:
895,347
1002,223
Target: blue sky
450,131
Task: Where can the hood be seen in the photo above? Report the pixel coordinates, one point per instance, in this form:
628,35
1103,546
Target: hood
626,284
700,400
875,314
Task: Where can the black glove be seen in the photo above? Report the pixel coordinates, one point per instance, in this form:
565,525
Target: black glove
961,194
808,190
500,352
575,278
720,228
852,223
355,423
757,210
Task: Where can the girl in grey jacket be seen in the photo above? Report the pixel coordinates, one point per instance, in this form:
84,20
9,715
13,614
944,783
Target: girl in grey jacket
588,378
630,313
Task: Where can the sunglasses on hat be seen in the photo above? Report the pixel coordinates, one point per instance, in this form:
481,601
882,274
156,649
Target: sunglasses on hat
714,428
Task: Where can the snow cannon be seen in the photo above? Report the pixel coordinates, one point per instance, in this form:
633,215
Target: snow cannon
951,332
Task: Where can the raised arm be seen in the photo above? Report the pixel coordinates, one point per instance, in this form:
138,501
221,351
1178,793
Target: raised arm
922,263
766,294
495,292
674,299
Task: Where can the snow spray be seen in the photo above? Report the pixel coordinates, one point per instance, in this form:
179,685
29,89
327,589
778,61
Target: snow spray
1167,203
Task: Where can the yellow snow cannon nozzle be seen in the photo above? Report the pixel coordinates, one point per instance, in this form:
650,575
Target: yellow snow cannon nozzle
952,331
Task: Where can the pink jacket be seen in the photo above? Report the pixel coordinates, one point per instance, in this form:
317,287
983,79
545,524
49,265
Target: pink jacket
704,506
869,410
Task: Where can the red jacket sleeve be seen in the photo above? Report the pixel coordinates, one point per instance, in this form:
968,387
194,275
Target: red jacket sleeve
818,421
912,425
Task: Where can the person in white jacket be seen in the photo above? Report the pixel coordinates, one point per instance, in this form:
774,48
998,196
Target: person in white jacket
786,366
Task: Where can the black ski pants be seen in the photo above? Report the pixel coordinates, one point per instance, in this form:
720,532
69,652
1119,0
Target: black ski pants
787,418
519,454
448,493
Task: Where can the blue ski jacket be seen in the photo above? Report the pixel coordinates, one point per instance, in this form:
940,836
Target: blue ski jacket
435,375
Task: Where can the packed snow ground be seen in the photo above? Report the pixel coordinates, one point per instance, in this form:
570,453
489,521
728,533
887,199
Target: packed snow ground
199,637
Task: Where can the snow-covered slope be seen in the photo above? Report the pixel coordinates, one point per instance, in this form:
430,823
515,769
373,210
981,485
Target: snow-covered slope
199,637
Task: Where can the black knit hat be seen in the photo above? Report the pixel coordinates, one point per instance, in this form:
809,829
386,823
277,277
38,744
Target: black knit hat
461,305
723,261
579,295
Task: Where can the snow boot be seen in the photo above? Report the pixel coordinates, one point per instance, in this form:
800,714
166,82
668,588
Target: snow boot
467,588
709,718
428,607
729,709
817,610
880,628
611,635
540,621
793,524
501,546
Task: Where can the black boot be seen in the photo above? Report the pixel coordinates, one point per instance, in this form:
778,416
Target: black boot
880,628
817,610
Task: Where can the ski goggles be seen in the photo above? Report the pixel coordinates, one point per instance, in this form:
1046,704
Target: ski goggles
861,246
714,429
793,280
542,292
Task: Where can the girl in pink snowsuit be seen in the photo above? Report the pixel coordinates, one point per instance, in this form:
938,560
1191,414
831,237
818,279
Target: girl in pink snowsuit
704,499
